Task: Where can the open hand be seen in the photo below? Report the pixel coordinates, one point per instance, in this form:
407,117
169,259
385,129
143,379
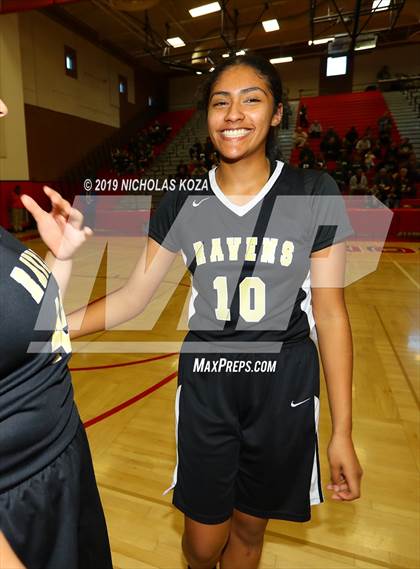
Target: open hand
61,229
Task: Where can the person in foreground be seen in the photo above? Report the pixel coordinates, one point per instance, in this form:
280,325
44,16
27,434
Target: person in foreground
51,515
265,248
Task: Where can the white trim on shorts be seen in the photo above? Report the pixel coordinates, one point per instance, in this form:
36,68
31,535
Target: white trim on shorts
314,493
175,474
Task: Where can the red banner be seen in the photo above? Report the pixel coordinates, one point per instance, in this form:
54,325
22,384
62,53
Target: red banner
22,5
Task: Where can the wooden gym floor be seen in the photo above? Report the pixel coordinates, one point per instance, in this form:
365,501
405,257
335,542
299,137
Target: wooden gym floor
127,402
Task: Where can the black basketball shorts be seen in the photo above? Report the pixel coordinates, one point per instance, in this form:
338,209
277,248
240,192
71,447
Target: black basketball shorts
247,434
55,520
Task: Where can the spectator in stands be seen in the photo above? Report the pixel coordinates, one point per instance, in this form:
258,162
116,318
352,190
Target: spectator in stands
343,169
405,149
303,119
384,73
200,167
300,137
363,145
385,128
339,176
315,129
413,169
351,137
306,157
17,210
345,161
390,159
192,165
182,171
330,145
196,150
356,161
159,133
403,186
358,183
382,185
369,160
378,150
213,161
320,163
139,152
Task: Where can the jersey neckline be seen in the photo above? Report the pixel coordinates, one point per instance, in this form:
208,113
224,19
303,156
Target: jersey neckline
243,209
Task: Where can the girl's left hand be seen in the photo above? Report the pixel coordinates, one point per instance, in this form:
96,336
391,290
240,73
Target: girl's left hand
62,228
346,472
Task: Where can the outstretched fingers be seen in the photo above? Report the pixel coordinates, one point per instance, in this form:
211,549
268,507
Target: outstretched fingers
34,209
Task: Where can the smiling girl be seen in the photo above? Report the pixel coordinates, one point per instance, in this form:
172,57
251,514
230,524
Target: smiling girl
247,438
264,245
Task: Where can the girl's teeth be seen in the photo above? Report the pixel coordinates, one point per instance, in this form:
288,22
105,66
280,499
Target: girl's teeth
235,133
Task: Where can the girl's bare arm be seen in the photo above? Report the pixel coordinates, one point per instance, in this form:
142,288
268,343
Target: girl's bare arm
129,300
333,331
8,558
336,350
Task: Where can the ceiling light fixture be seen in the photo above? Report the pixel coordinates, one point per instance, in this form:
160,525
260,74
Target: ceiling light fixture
271,25
320,41
175,42
365,42
379,5
205,9
275,60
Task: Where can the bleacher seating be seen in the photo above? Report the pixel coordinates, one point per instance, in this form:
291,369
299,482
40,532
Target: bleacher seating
343,111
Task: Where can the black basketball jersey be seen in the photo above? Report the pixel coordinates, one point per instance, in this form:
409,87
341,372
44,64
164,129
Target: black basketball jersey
250,264
38,418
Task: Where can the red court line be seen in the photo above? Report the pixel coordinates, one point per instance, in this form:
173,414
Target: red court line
131,401
124,364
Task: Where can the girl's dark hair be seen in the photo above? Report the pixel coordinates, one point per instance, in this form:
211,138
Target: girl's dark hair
266,71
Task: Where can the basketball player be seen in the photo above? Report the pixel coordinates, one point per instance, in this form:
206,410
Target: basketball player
50,512
266,254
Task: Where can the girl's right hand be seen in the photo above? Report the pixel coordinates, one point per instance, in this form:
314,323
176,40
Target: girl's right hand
346,472
61,229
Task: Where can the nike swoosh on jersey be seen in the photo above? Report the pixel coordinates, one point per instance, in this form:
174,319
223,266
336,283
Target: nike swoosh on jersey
196,204
293,404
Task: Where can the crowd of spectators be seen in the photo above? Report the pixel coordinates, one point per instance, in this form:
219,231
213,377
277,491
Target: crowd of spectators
368,163
203,157
139,152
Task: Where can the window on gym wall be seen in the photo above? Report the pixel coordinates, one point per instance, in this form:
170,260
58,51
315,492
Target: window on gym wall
122,85
70,61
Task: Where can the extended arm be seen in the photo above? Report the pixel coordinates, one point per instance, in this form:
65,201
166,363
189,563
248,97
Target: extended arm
129,300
